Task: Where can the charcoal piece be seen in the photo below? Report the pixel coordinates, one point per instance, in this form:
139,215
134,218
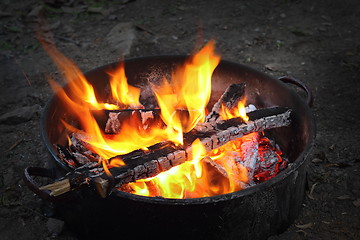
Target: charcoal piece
270,162
124,177
81,159
277,116
147,98
249,149
238,173
65,155
77,154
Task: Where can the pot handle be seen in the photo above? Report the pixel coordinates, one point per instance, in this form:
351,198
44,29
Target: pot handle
29,172
294,81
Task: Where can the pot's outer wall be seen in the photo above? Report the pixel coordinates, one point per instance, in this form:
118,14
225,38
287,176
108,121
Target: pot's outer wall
255,213
255,216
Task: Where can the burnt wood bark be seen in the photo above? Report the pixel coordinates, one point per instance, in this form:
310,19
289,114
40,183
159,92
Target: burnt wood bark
143,117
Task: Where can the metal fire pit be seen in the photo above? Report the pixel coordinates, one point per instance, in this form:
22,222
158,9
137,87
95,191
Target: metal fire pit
254,213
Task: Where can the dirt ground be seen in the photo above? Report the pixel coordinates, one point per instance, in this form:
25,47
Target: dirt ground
314,41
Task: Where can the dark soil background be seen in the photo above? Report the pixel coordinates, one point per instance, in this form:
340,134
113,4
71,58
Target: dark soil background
314,41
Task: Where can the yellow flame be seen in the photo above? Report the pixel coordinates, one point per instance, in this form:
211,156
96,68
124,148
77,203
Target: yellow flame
121,91
80,91
191,179
238,111
182,100
179,181
188,90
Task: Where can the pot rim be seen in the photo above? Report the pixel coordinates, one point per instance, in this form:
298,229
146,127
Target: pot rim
292,167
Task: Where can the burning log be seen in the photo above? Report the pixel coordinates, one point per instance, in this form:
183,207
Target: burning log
216,175
65,155
230,99
145,117
77,153
162,156
143,164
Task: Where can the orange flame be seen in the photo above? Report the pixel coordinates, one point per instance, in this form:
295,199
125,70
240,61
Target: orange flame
80,92
122,92
238,111
189,180
189,90
182,100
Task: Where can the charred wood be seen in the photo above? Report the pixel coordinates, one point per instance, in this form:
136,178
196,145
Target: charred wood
250,153
270,162
230,99
77,153
143,117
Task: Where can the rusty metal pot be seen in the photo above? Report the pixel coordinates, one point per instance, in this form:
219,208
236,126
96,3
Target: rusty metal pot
254,213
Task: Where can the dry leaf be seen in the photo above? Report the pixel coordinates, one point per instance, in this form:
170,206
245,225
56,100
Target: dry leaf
304,226
310,194
273,66
19,115
344,197
316,160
